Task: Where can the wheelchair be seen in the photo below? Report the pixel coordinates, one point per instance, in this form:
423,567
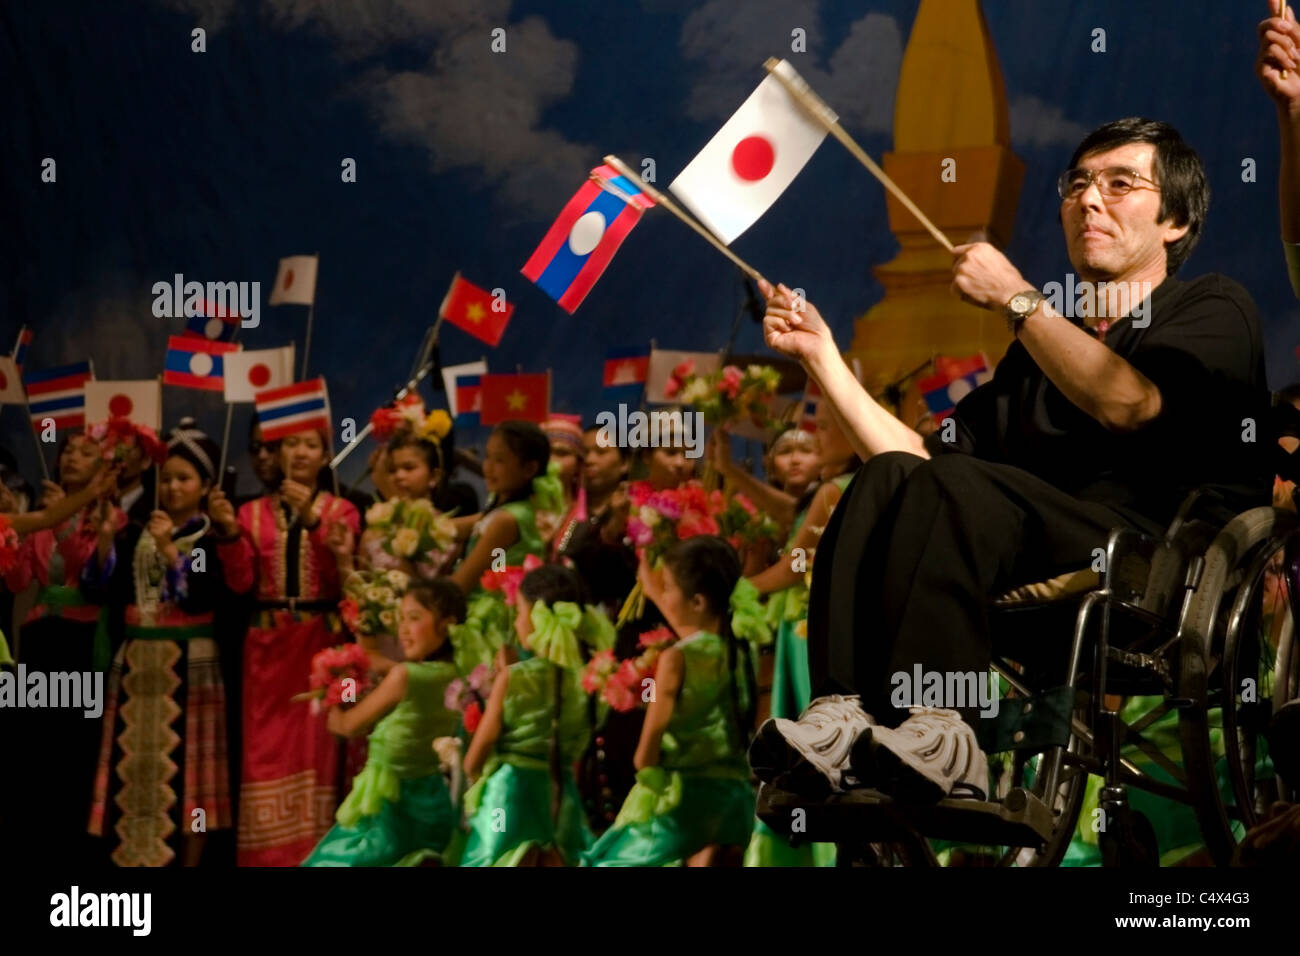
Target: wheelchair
1201,621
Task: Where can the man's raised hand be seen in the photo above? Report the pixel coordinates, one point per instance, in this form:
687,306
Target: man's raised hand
793,326
1279,52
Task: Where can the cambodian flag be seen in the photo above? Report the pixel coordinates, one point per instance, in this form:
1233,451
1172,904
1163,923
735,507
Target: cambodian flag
625,373
583,240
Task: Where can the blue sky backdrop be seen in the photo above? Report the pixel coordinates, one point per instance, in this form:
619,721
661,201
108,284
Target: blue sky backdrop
216,164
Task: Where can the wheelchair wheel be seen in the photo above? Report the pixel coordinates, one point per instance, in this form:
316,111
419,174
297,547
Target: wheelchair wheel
1259,676
1228,602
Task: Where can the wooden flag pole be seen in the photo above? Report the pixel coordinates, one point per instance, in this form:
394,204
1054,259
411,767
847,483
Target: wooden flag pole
818,109
676,210
311,314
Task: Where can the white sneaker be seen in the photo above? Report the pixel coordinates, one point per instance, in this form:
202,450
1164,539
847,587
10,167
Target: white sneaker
931,755
809,755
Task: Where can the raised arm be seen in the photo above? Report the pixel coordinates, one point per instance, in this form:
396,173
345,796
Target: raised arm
795,328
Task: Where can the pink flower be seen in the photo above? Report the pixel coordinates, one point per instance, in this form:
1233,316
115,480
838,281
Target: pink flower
729,384
672,386
619,696
684,369
658,637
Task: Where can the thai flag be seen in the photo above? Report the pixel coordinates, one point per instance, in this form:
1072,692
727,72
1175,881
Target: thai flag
583,240
195,363
954,378
625,373
20,347
303,406
215,323
60,394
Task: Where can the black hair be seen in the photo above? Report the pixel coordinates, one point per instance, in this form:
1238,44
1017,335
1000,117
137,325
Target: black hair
529,444
18,485
443,597
1177,169
708,565
624,451
432,451
551,583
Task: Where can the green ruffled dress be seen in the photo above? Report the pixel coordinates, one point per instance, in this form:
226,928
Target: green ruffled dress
700,793
488,624
509,808
399,812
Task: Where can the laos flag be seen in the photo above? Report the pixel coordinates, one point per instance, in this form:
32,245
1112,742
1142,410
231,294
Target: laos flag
582,241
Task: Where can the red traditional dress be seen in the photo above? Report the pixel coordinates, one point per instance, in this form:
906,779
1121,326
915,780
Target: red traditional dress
289,780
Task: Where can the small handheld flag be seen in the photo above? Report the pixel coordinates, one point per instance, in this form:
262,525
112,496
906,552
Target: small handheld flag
757,154
250,372
214,322
812,397
11,383
20,347
192,362
952,380
582,241
295,281
455,378
139,402
476,311
625,373
59,393
295,408
523,396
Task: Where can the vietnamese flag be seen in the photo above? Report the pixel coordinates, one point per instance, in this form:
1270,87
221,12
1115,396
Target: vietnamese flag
476,311
525,396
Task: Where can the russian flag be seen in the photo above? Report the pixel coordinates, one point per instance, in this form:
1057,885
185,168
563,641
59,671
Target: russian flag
583,240
469,400
626,369
20,347
300,407
954,378
193,362
60,394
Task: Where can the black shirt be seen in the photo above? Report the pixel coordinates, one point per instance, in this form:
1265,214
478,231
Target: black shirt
1200,344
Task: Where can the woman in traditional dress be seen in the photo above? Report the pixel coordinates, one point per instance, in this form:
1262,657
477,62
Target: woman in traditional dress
286,546
163,778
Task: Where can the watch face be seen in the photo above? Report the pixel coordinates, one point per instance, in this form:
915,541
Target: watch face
1020,303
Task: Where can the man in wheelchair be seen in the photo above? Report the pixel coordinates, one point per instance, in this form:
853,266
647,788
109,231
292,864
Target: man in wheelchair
1105,412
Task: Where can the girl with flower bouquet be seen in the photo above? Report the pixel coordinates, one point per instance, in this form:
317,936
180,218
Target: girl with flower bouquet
404,534
399,811
692,803
520,484
525,808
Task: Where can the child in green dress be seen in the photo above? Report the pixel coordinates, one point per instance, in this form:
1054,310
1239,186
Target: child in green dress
693,803
399,812
525,808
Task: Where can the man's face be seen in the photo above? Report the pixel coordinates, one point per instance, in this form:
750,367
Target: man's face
1110,239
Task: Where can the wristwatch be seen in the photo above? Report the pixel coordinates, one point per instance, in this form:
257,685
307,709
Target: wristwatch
1021,307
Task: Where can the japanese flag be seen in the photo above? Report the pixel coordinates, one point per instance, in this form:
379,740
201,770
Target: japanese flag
751,160
139,402
248,373
295,281
11,383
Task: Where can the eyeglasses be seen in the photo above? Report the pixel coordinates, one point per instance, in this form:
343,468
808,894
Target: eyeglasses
1113,182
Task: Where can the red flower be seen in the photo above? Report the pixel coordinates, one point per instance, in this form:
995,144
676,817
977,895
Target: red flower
473,714
684,369
350,613
8,545
729,383
657,638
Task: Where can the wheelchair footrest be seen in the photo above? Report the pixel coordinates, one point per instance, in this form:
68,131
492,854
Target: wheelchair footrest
872,817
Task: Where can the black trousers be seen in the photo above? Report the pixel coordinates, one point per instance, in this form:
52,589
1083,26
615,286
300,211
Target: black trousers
913,553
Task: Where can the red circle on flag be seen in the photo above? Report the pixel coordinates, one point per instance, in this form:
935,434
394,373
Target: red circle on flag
753,158
288,278
259,375
119,406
